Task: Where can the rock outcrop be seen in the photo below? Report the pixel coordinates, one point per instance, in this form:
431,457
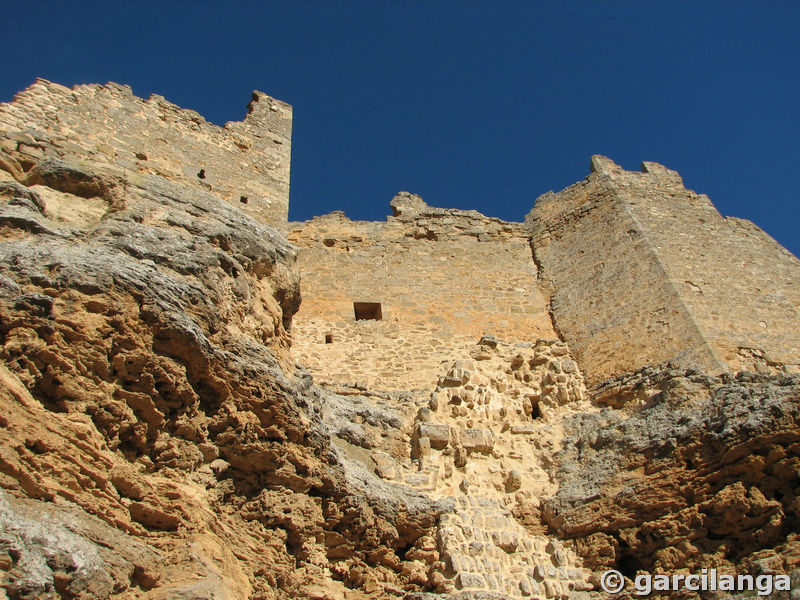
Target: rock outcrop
482,414
157,440
684,471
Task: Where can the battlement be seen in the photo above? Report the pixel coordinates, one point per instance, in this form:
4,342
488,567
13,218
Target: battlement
245,162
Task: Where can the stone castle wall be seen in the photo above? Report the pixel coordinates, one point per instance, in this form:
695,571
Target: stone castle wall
145,376
741,287
443,278
645,271
246,162
628,268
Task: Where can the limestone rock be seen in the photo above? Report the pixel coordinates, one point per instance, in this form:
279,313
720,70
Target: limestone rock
702,454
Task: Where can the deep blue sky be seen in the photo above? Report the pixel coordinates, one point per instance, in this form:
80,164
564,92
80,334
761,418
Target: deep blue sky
480,105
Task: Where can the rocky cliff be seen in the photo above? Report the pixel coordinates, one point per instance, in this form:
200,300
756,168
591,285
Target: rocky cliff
159,439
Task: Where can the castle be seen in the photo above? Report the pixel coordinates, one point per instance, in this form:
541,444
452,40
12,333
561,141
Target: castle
460,361
628,268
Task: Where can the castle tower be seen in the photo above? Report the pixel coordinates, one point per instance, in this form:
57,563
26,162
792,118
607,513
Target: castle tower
643,270
244,162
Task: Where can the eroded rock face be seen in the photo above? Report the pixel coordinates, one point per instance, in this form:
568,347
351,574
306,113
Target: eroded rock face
686,471
156,439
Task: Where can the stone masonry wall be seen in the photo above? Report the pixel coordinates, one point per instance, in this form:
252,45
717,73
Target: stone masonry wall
645,271
246,162
442,277
481,444
741,287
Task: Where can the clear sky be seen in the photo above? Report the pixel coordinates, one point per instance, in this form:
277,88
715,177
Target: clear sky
481,105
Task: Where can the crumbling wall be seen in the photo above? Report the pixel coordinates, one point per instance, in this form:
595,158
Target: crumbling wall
246,162
645,271
442,277
482,444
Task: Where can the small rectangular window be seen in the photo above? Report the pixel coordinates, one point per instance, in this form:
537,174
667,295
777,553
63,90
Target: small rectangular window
367,310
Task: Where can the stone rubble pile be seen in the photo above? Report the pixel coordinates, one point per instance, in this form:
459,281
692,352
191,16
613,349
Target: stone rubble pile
479,444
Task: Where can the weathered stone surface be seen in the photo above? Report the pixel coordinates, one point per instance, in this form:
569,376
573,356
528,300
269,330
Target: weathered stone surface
477,440
437,433
246,163
643,270
702,472
159,440
385,465
153,423
62,550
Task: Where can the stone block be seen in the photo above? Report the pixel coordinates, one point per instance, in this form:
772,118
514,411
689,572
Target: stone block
424,414
32,151
437,433
513,480
488,340
417,480
385,465
476,548
469,580
420,447
569,366
506,540
552,589
477,440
